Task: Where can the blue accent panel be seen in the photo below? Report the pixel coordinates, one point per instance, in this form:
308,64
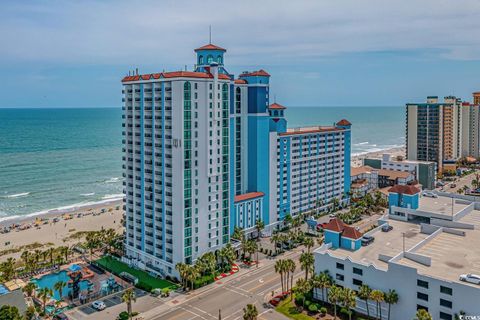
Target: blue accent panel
258,159
280,125
257,99
403,200
333,238
153,169
351,244
142,166
256,79
284,207
164,240
232,100
233,213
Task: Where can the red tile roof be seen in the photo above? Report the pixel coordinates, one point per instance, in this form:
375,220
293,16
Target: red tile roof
335,224
344,122
465,103
174,74
351,233
240,81
248,196
404,189
276,106
259,73
210,47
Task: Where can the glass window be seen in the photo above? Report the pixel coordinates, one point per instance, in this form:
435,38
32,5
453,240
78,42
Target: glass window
340,266
422,296
200,60
209,59
423,284
339,277
220,59
357,282
446,290
446,303
445,316
358,271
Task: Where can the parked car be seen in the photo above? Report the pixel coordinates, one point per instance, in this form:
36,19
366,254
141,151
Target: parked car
332,215
321,226
440,184
472,278
386,228
453,185
98,305
60,316
429,194
366,240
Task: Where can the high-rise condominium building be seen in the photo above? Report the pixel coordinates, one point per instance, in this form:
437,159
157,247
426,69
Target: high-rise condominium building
442,131
205,153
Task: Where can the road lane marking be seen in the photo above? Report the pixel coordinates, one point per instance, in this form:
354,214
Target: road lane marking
203,311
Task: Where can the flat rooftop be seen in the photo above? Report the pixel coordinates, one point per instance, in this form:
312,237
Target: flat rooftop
386,243
440,205
451,255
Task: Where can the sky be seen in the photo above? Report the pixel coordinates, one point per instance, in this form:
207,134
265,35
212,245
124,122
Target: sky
319,53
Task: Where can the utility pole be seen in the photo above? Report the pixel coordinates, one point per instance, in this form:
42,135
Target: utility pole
403,236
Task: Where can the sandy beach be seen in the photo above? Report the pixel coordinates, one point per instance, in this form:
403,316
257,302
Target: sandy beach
55,234
357,160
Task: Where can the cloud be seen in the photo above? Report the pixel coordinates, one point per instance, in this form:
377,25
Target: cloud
255,32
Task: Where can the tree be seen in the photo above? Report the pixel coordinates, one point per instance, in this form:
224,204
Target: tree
9,313
302,287
192,273
423,314
378,297
58,286
30,313
238,234
280,269
8,269
128,297
227,255
29,289
306,263
324,282
259,226
349,300
364,293
290,266
44,294
207,263
334,296
250,312
308,243
275,239
92,243
251,248
182,271
288,219
391,297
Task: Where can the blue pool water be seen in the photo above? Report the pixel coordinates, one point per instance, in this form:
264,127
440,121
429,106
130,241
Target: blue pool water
49,280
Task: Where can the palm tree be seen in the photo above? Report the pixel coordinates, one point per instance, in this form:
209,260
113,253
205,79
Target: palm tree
182,271
8,269
29,289
51,254
288,219
192,273
238,234
44,294
324,282
250,312
306,263
423,314
251,248
308,243
259,226
303,287
58,286
128,297
364,293
378,297
275,238
25,257
227,255
92,242
349,300
391,297
291,266
280,269
334,295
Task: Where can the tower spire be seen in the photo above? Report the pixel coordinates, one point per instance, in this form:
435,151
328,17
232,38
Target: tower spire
210,34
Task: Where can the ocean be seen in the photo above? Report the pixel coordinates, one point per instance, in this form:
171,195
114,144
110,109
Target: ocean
65,158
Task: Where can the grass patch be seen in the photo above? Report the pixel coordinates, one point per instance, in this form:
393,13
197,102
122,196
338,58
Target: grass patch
31,246
287,308
145,281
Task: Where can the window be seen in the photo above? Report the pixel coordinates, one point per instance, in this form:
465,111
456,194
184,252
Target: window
339,277
340,266
419,306
446,290
446,303
358,271
422,296
219,59
423,284
357,282
445,316
200,60
209,59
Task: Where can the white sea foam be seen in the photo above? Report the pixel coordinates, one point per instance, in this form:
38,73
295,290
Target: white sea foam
361,143
112,180
113,196
18,195
87,194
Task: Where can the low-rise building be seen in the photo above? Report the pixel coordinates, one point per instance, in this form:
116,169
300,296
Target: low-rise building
421,259
364,180
423,171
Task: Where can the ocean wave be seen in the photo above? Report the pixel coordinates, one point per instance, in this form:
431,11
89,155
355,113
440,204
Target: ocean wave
361,143
113,196
18,195
368,150
113,180
87,194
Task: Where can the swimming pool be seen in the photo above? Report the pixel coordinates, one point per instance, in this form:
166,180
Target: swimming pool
49,280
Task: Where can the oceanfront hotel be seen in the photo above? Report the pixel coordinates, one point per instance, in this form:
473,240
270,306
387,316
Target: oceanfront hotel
205,153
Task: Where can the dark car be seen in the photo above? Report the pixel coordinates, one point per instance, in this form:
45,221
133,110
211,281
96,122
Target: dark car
60,316
386,228
366,240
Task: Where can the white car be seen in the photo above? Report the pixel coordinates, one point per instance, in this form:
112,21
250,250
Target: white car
98,305
429,194
472,278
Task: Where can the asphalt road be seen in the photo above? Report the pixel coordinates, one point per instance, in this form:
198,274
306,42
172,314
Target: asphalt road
230,297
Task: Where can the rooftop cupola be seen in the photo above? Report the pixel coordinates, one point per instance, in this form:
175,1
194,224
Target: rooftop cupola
209,54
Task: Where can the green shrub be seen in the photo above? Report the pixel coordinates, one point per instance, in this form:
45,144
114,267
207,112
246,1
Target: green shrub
308,303
323,310
345,311
313,308
298,299
123,315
